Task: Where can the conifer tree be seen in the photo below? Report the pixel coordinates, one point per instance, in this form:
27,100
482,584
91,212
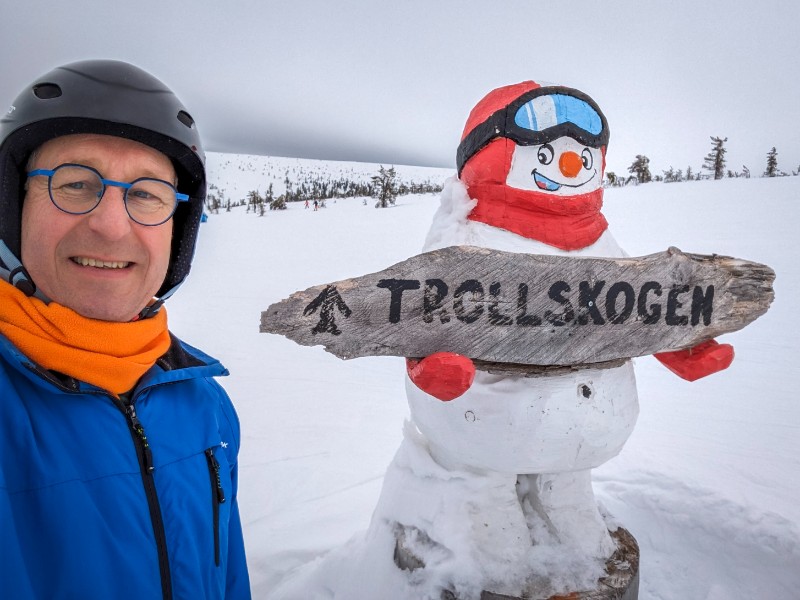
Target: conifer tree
671,175
715,160
772,163
255,202
385,187
641,168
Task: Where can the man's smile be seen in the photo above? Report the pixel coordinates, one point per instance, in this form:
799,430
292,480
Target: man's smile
101,264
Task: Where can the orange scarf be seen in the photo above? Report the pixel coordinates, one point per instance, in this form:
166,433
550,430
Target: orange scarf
112,356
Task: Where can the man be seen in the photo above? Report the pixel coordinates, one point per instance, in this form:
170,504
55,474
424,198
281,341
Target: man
118,450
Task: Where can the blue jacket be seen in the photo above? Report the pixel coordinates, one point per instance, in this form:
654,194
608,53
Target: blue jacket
103,500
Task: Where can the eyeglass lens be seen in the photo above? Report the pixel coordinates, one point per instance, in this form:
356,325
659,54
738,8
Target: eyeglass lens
78,190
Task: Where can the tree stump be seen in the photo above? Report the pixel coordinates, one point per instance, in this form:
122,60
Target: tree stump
621,581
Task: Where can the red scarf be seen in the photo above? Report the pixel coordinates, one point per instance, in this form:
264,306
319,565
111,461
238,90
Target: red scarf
566,222
112,356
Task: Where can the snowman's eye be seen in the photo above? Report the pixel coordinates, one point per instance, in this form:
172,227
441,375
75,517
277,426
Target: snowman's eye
545,154
586,157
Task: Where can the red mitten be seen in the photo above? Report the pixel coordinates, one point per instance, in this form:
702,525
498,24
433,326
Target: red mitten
443,375
696,362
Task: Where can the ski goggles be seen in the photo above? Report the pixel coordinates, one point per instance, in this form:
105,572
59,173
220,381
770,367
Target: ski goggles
538,117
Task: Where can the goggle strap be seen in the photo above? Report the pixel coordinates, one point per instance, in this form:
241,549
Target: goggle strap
475,141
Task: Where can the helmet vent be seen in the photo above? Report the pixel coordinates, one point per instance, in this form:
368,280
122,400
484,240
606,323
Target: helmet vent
185,118
46,91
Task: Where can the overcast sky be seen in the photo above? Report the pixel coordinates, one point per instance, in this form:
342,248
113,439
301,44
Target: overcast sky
394,81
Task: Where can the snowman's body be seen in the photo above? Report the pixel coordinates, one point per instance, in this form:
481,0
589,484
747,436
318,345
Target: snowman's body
512,456
492,489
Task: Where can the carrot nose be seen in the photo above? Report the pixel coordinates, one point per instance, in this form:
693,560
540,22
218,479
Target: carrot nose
570,164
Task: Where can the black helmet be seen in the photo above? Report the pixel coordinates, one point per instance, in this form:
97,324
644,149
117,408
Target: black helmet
111,98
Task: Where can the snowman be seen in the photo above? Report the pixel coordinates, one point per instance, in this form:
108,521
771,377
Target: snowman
490,492
491,489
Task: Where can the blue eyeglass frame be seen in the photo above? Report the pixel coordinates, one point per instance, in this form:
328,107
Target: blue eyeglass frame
108,182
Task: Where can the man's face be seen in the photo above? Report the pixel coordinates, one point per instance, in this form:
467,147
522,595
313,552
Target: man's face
102,264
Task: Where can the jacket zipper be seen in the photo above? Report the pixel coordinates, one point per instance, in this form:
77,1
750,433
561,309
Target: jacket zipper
146,467
217,498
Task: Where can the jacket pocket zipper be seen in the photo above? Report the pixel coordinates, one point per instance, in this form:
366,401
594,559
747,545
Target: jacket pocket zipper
217,498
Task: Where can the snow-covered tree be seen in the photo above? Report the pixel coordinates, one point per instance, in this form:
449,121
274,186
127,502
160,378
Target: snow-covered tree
672,175
715,160
772,163
254,200
274,203
384,187
213,203
641,168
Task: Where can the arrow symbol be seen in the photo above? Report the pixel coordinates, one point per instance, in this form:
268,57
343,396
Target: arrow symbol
328,299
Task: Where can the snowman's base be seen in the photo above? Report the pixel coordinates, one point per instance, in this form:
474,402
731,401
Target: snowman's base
621,581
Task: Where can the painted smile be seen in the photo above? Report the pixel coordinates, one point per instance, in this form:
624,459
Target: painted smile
99,264
545,183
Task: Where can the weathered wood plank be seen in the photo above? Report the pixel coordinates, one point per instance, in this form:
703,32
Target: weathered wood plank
528,309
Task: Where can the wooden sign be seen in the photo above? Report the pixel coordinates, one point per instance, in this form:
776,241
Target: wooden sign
528,309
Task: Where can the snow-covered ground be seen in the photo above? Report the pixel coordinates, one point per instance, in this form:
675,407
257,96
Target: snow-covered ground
709,482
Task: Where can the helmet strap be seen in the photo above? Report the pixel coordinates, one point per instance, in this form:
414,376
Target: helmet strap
13,271
153,308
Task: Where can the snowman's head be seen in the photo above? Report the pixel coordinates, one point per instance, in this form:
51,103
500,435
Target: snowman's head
535,120
533,157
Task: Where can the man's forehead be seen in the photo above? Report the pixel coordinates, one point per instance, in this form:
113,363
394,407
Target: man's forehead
96,150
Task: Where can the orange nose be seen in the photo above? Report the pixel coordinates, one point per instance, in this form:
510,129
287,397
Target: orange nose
570,164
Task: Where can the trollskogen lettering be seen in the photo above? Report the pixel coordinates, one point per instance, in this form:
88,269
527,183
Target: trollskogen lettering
588,303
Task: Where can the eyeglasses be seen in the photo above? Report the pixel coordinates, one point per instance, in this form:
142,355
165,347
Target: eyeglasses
78,189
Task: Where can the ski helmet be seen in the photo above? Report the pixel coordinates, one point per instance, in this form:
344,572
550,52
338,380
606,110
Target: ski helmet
111,98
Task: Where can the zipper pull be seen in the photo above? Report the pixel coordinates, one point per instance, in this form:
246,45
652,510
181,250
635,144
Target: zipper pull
139,429
218,483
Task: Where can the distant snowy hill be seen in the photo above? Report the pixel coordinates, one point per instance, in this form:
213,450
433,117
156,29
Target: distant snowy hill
237,174
709,482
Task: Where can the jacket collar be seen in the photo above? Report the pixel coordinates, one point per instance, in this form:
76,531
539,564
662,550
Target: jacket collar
181,361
